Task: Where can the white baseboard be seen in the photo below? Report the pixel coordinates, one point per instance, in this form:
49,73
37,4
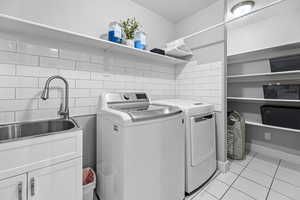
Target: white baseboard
223,166
275,153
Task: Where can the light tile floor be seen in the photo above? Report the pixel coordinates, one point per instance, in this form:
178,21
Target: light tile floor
258,177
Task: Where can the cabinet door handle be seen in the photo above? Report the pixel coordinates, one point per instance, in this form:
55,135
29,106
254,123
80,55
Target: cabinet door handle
32,185
20,191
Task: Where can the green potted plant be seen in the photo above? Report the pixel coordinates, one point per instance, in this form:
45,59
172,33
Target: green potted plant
130,26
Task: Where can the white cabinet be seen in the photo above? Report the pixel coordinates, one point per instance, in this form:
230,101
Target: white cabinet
42,168
13,188
59,182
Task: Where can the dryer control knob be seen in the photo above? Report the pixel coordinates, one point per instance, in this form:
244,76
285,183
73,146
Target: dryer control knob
126,97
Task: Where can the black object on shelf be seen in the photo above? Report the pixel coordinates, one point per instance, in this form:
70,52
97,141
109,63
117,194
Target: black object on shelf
158,51
282,116
287,63
278,91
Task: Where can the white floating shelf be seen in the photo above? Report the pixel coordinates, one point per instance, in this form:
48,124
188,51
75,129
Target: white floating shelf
286,75
267,53
13,25
261,100
272,127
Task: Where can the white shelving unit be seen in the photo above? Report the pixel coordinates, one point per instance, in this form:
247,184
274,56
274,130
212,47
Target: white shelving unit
271,127
272,52
247,73
287,75
261,100
13,25
265,74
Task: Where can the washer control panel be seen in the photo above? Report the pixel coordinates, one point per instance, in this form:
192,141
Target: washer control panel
134,97
126,97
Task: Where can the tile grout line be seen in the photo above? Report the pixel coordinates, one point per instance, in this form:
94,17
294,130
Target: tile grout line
273,180
203,190
230,186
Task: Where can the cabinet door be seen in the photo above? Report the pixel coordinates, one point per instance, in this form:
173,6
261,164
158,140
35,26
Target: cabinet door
60,182
13,188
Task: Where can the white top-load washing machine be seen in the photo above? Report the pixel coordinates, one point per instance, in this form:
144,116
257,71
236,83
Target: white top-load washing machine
140,149
200,159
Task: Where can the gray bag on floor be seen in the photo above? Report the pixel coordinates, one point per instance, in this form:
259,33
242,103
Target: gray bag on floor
236,136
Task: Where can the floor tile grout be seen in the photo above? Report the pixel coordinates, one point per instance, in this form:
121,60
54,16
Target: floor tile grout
244,167
282,180
234,177
273,180
203,187
256,182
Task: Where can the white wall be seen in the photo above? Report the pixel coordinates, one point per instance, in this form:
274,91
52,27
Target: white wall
201,82
274,26
204,18
90,17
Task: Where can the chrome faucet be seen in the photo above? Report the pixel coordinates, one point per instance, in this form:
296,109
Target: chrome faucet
64,112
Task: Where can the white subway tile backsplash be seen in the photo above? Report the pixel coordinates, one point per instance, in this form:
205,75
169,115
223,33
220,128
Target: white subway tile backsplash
71,74
79,92
202,82
7,93
54,103
33,49
114,69
30,115
89,84
35,71
17,58
7,117
18,82
92,67
77,111
101,76
26,67
56,83
92,101
97,59
122,62
73,55
113,85
13,105
57,63
7,69
28,93
93,109
8,45
96,92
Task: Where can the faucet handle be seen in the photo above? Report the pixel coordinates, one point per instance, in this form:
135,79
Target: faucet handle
64,112
61,109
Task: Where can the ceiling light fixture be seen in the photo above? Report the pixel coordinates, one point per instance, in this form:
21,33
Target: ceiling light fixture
242,8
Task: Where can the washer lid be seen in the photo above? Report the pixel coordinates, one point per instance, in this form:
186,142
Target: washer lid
150,111
190,107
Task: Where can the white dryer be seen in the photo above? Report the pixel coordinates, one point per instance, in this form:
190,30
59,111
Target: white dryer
200,140
140,149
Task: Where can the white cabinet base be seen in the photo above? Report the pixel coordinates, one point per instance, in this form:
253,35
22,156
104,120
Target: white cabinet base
42,168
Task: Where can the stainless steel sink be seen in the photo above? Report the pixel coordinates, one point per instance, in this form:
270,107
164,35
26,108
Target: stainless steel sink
16,131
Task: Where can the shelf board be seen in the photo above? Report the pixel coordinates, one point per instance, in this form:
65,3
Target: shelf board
261,100
267,53
286,75
13,25
271,127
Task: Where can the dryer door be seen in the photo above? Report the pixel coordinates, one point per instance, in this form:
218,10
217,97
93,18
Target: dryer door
203,142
